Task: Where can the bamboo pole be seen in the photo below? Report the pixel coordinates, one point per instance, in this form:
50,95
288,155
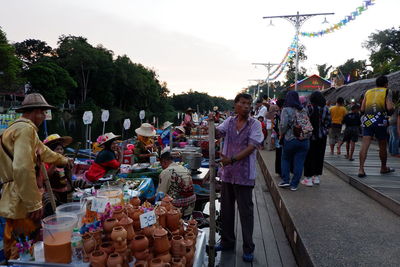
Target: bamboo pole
48,186
211,147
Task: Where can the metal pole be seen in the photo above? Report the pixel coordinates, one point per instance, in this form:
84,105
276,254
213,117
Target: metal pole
268,69
104,126
297,25
211,148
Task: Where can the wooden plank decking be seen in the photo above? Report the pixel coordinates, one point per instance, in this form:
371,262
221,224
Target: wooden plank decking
272,247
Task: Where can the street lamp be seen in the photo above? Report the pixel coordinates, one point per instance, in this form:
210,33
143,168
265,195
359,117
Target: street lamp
297,21
269,66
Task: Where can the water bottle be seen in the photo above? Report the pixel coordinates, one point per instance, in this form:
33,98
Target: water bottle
77,247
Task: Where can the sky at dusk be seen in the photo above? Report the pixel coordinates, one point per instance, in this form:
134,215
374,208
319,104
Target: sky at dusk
207,45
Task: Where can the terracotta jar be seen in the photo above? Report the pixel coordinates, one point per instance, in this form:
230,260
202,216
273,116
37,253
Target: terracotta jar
141,264
158,263
146,204
178,262
189,256
191,236
173,217
109,224
107,247
188,243
115,260
165,257
89,245
192,224
98,259
166,202
141,255
118,212
119,231
148,232
120,245
161,213
127,223
178,247
161,242
134,215
98,236
140,243
135,201
181,228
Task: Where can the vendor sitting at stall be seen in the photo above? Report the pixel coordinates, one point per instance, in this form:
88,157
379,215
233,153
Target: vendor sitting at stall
165,134
144,146
179,134
59,177
176,181
107,159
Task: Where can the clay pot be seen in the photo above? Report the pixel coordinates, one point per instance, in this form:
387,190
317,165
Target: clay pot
115,260
158,263
141,255
107,248
127,223
181,228
89,245
176,232
120,245
118,213
119,231
134,215
192,224
161,213
166,202
178,247
173,217
178,262
165,257
148,232
161,242
189,256
98,259
188,243
140,243
97,234
109,224
141,264
191,236
146,204
135,201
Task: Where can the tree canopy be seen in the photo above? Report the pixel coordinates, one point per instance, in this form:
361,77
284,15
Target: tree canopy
10,65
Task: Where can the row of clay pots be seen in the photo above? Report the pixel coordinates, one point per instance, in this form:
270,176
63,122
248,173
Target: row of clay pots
99,258
167,260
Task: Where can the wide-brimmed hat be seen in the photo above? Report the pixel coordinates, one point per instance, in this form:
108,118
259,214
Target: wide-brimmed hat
107,137
55,139
32,101
180,128
166,125
215,108
146,129
189,110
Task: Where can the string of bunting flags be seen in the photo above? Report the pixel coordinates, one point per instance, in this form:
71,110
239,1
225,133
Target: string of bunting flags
352,16
289,54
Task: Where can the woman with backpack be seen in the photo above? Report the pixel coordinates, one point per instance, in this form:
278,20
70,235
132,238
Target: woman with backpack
320,119
296,129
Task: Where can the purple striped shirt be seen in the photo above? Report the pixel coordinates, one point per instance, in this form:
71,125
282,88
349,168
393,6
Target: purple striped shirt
242,172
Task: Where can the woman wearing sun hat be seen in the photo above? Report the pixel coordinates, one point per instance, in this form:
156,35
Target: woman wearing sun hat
145,143
179,134
106,160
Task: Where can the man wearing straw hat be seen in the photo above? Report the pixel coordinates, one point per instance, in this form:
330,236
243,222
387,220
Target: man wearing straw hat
165,134
188,121
20,154
145,143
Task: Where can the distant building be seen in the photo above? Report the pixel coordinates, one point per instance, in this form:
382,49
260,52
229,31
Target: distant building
310,84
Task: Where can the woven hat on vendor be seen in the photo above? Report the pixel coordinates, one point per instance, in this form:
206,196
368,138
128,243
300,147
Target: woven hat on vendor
189,110
55,139
107,137
166,125
180,128
146,129
34,101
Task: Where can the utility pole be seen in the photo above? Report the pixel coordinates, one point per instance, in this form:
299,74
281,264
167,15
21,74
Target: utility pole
269,66
258,86
297,21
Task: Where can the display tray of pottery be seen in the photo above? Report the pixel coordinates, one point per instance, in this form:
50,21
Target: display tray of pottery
130,233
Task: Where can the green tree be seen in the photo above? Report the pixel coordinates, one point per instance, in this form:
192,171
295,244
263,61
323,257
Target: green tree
323,70
10,65
353,70
291,72
31,50
385,50
51,80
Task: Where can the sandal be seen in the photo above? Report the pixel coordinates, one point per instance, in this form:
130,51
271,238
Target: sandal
388,170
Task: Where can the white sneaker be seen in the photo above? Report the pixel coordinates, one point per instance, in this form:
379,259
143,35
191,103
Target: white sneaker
315,180
307,181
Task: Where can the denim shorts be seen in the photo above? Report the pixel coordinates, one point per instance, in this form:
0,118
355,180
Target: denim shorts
380,132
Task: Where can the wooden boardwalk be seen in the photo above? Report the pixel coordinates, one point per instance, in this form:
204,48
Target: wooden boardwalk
387,185
272,247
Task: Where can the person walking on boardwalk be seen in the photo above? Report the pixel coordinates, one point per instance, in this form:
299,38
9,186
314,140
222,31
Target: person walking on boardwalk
320,119
337,114
242,136
377,105
21,155
352,121
296,129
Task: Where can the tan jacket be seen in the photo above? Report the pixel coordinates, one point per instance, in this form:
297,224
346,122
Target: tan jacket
22,195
